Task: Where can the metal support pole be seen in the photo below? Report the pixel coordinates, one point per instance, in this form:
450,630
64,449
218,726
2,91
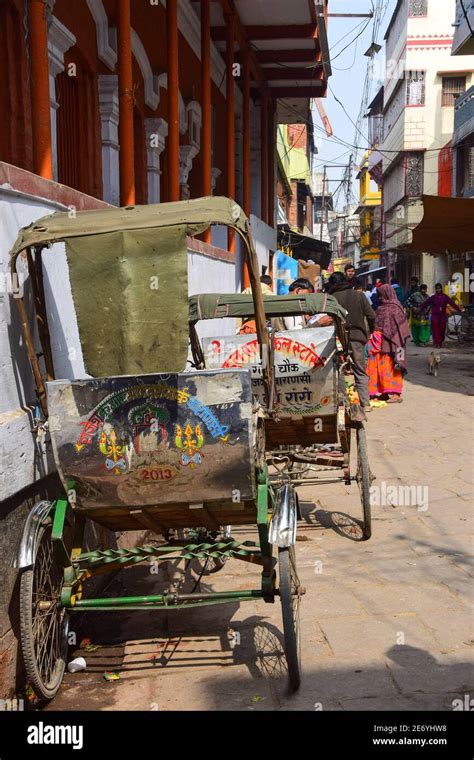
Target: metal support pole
40,97
173,99
125,86
206,147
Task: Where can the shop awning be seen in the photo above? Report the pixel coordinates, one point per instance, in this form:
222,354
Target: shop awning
363,272
304,247
447,226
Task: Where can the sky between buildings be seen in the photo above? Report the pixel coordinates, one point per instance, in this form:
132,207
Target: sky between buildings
347,83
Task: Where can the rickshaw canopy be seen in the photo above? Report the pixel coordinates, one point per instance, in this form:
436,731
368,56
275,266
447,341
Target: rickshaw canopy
128,272
194,215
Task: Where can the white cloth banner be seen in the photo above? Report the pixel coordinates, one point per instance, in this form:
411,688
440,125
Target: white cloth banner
305,375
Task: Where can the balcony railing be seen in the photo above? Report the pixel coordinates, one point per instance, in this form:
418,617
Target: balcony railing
464,108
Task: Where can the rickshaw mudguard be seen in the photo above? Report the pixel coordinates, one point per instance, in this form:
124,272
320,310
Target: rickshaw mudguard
29,539
282,532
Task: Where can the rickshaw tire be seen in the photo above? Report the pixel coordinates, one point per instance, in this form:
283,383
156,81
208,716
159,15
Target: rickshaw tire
286,557
364,480
45,692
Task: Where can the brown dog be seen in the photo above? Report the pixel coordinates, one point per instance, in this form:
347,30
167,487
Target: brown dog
433,363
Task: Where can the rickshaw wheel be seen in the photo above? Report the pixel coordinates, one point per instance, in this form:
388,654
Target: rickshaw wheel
290,594
43,629
363,478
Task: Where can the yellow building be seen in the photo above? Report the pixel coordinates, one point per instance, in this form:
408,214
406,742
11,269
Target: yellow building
369,209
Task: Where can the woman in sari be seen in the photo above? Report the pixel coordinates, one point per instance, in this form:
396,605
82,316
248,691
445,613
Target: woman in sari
418,321
439,317
387,354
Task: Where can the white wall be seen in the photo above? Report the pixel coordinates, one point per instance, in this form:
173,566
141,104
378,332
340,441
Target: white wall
206,275
394,49
21,460
265,239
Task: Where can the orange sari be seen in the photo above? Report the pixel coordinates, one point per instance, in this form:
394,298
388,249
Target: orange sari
383,376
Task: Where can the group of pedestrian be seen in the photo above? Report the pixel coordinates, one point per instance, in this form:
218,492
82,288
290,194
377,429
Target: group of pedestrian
379,321
429,314
377,336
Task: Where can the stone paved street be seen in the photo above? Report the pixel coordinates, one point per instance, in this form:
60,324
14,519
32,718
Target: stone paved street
386,624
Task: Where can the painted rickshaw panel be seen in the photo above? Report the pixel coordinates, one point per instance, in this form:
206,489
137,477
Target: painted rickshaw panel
155,439
305,375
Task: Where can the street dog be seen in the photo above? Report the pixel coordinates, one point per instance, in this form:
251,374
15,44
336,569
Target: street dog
433,363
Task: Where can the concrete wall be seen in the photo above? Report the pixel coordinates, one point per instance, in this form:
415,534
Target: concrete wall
398,220
395,48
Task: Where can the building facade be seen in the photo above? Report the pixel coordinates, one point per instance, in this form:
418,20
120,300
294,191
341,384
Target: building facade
370,189
421,85
344,232
323,205
295,156
370,200
463,145
463,41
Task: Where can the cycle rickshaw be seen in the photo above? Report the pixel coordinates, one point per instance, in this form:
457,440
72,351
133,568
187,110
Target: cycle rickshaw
143,438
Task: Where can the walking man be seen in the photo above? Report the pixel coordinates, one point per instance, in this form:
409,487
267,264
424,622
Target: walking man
360,320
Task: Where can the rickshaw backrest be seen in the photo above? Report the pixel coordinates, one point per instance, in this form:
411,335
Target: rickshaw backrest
306,382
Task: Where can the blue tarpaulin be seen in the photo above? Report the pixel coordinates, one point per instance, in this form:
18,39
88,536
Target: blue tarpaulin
285,271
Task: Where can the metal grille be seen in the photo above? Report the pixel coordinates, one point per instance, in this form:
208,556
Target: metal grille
418,7
470,169
76,135
68,129
452,88
13,148
414,175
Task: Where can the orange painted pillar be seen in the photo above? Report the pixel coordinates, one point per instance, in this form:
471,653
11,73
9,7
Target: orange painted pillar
40,99
125,90
173,99
206,103
246,145
230,103
264,154
271,163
